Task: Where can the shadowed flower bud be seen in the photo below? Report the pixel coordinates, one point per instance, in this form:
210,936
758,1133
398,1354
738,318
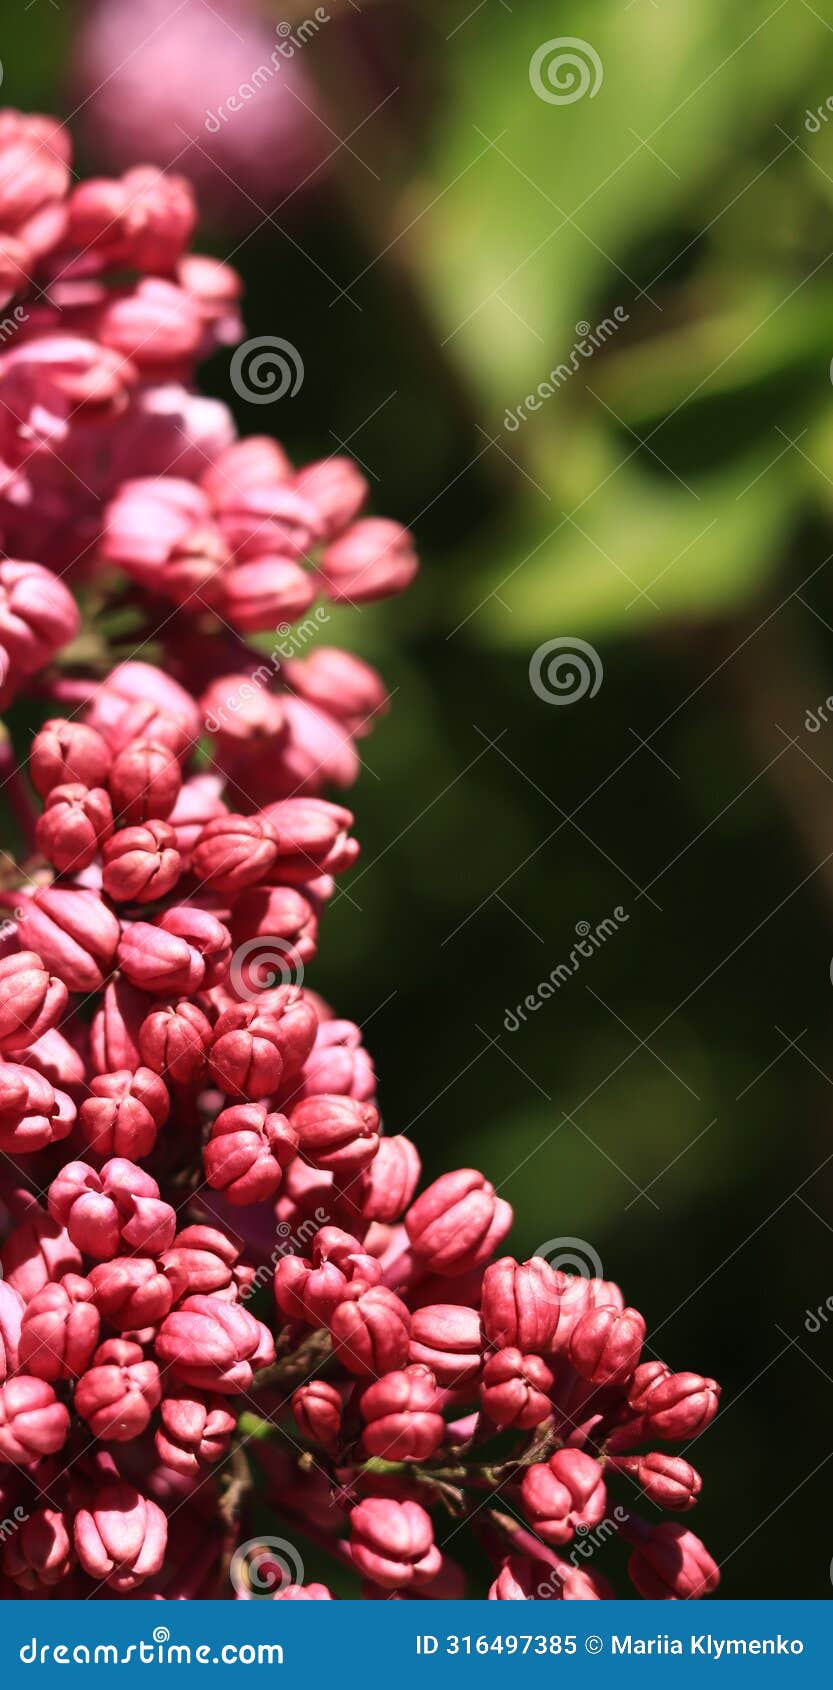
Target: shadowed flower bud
373,559
131,1292
32,1113
244,1057
40,1553
74,933
31,1001
606,1344
234,852
339,1064
37,615
141,863
340,684
675,1405
59,1330
260,593
337,490
214,1345
448,1340
516,1581
667,1480
144,782
318,1412
565,1494
32,1421
370,1332
119,1393
386,1187
114,1031
392,1543
275,912
195,1432
457,1222
174,1041
520,1304
294,1026
340,1269
303,1593
205,934
140,222
247,1152
158,961
65,753
11,1315
124,1112
120,1538
76,822
670,1564
313,838
337,1133
401,1414
201,1259
515,1389
37,1252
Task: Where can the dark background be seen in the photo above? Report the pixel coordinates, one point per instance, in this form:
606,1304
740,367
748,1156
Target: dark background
691,1056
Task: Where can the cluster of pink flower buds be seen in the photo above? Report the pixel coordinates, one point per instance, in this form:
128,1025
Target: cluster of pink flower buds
216,1266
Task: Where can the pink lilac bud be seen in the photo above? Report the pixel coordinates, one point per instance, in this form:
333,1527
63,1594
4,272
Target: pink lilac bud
159,962
563,1495
32,1113
675,1405
386,1187
37,1252
65,753
119,1205
31,1001
401,1415
313,838
317,751
131,1292
667,1480
214,1345
32,1421
457,1222
131,681
75,824
340,684
340,1269
123,1113
336,489
59,1330
62,1061
373,559
120,1538
11,1315
515,1389
141,863
671,1564
144,782
294,1026
520,1304
448,1340
201,1259
74,933
174,1042
257,595
371,1332
205,934
142,222
606,1344
392,1543
244,1057
196,1430
37,614
318,1412
114,1031
339,1063
247,1153
276,912
35,176
119,1392
145,722
303,1593
40,1552
199,802
516,1581
234,852
337,1133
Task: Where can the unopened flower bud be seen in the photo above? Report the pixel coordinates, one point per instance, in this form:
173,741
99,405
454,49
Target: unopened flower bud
372,559
76,822
121,1537
371,1332
457,1222
520,1304
31,1001
244,1056
337,1133
131,1292
448,1339
123,1113
565,1494
392,1543
606,1344
670,1563
32,1421
174,1041
141,863
667,1480
318,1411
74,933
119,1392
214,1345
32,1113
39,1554
401,1415
67,752
59,1330
515,1389
234,852
247,1152
196,1430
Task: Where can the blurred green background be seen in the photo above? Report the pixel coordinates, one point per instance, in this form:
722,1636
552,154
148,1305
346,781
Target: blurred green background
672,504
